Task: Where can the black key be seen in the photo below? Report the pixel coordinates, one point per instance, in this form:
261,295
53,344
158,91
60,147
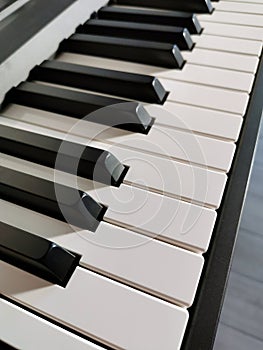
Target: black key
55,200
177,5
130,116
5,346
167,18
133,86
89,162
140,31
36,255
141,51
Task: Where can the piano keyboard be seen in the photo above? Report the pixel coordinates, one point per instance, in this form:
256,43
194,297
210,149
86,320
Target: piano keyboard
138,137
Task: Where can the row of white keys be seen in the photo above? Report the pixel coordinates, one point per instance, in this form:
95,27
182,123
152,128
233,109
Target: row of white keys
100,308
133,259
17,325
162,175
167,219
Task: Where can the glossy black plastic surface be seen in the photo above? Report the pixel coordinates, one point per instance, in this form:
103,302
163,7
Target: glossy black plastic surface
140,31
141,51
143,15
128,85
120,113
36,255
55,200
204,6
89,162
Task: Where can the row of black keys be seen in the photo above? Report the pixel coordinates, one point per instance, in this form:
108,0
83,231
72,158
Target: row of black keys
33,253
180,5
151,37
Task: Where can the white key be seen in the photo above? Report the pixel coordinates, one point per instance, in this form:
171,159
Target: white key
180,145
212,77
147,265
247,8
168,143
204,96
219,59
233,18
181,181
96,306
191,94
24,330
167,219
240,46
123,255
232,30
197,119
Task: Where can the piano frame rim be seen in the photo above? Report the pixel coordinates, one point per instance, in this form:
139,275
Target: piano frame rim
205,313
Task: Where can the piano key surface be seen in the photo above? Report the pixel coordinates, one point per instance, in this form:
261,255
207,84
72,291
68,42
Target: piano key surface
148,171
113,251
46,334
97,301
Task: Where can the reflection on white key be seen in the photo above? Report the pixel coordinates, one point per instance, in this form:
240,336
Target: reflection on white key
105,310
211,76
151,214
206,96
128,257
197,119
251,8
233,18
225,60
24,330
214,42
232,30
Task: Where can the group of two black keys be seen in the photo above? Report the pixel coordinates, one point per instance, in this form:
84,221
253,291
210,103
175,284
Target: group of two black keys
33,253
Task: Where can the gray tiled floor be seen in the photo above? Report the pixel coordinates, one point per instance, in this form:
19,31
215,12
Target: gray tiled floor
241,323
